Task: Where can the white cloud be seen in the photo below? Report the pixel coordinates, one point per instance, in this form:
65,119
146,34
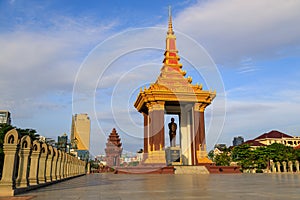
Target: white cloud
37,63
38,67
231,30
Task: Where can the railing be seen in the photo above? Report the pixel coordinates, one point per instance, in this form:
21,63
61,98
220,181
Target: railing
284,167
30,164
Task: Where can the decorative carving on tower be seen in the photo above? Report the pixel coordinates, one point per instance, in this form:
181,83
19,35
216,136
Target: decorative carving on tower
113,149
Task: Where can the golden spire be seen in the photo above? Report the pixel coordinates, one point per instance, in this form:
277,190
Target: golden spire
171,57
170,28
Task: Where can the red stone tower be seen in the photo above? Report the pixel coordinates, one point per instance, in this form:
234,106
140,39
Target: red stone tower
113,149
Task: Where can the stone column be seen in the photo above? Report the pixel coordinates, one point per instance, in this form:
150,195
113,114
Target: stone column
58,166
54,164
146,133
185,134
75,167
198,137
24,155
10,148
64,165
297,165
278,167
71,166
157,125
150,127
66,169
290,164
284,166
272,164
42,164
34,163
49,164
82,170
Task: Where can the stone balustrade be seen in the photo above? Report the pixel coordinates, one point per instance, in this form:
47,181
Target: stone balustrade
285,167
31,164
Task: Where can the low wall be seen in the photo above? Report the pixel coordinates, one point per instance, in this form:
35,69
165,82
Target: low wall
31,164
223,169
145,170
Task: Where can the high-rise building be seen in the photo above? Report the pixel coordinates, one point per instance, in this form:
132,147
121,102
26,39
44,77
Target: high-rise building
80,132
80,135
5,117
238,140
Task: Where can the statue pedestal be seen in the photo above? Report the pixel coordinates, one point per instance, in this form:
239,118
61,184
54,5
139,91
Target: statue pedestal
173,156
202,157
156,157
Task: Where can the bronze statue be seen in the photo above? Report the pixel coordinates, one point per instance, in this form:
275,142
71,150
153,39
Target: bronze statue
172,132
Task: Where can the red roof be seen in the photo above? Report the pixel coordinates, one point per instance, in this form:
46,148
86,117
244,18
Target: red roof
273,134
254,143
297,147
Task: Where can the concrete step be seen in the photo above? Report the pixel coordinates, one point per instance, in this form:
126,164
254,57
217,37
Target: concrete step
191,170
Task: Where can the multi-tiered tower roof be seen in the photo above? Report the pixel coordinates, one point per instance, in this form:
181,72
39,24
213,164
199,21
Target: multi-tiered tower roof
113,149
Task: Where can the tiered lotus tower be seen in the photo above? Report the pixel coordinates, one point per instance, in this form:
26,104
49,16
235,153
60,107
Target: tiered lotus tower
113,149
174,94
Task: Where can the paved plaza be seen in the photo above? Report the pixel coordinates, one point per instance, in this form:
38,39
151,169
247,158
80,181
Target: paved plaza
156,186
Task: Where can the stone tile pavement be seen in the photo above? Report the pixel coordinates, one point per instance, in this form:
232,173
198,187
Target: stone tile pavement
164,186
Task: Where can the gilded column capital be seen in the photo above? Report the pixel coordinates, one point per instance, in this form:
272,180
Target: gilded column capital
149,107
157,105
200,107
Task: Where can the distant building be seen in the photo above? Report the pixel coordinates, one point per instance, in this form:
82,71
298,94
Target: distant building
80,131
274,137
62,142
221,146
83,154
80,135
237,141
113,149
5,117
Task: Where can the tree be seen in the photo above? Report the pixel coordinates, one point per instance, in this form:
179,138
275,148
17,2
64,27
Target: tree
261,157
211,154
222,159
243,155
31,132
280,152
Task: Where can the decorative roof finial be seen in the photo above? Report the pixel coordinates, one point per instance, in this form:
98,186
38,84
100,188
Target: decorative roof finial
170,29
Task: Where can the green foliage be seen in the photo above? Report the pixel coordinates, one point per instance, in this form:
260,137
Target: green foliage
222,159
31,132
94,164
211,155
259,158
280,152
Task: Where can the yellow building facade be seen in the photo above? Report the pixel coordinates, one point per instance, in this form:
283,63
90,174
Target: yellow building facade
274,137
80,132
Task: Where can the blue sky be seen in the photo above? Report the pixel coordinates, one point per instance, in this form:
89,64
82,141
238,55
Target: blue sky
63,57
